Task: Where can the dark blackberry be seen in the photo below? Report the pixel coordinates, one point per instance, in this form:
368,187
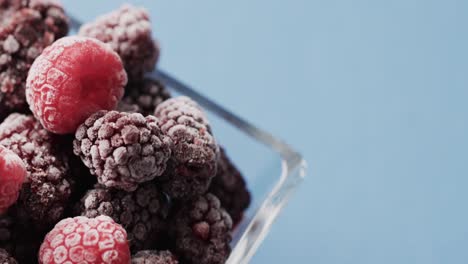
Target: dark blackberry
123,106
83,180
6,232
202,231
54,17
128,31
5,258
122,149
47,189
154,257
230,187
145,96
141,212
26,28
193,163
18,236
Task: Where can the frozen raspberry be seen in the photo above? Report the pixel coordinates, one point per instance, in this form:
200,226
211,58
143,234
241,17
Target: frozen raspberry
202,231
229,186
144,96
26,28
12,176
122,149
154,257
85,240
48,184
18,237
128,31
193,163
141,212
72,79
5,258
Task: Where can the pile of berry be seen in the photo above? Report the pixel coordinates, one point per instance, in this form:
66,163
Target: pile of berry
97,163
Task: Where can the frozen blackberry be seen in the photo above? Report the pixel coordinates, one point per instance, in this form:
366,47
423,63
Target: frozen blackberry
18,236
6,231
54,17
123,106
145,96
128,31
229,186
141,212
26,28
154,257
83,180
5,257
193,163
47,188
122,149
202,231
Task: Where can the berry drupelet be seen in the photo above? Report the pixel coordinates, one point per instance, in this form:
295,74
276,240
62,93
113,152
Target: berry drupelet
202,231
193,163
154,257
230,187
128,31
144,96
141,212
26,28
48,184
122,149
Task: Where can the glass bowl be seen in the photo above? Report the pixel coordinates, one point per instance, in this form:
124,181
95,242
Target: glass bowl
272,169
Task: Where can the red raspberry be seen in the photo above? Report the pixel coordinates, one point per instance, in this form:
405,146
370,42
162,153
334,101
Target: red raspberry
12,176
85,240
72,79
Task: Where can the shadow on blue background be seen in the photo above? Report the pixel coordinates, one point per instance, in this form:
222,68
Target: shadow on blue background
373,93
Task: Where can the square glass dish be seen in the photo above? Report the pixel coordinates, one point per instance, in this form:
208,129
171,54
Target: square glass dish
272,169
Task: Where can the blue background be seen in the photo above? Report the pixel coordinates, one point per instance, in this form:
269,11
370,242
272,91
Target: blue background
373,93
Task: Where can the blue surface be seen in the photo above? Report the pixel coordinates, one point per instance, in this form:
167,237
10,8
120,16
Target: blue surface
373,93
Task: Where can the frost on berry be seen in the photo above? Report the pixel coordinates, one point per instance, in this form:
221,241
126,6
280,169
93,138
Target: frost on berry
122,149
26,28
202,231
47,189
71,79
144,96
230,187
141,212
128,31
12,176
193,163
154,257
85,240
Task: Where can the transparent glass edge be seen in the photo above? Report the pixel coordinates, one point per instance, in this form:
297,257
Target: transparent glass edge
293,169
261,224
